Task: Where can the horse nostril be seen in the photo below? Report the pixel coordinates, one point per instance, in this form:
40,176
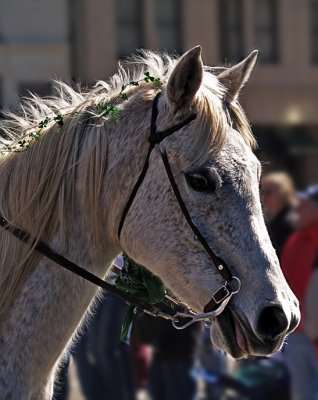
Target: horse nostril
272,322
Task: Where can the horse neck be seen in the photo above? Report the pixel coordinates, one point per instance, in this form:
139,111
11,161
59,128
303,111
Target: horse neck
48,302
68,220
59,297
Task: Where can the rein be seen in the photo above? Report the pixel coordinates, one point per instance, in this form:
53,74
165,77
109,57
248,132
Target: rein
168,308
164,309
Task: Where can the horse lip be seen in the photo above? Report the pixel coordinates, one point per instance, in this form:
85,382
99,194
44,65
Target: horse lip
227,324
239,330
252,344
240,337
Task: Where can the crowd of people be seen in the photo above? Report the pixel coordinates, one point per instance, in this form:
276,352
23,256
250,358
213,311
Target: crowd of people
168,364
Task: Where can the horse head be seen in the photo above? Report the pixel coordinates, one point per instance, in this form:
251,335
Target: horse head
217,175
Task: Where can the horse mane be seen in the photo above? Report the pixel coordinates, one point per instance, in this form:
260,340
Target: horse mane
38,198
72,99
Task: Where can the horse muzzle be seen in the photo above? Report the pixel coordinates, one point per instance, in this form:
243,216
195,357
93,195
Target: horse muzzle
232,331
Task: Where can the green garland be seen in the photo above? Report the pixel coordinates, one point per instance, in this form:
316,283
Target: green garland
107,109
141,283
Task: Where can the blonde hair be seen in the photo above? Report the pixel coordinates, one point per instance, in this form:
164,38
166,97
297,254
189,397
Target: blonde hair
284,184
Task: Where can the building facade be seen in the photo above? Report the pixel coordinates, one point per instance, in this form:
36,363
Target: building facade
282,96
83,39
34,47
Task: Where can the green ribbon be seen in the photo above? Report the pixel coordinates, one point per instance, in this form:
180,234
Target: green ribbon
141,283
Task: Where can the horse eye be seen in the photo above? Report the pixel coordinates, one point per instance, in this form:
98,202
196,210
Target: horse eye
201,181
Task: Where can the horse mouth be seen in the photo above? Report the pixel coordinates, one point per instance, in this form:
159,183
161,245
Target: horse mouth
230,332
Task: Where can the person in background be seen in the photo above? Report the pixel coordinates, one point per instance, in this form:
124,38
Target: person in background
104,364
174,353
299,260
278,198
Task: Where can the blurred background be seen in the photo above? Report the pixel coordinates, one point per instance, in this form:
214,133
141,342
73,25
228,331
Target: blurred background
82,40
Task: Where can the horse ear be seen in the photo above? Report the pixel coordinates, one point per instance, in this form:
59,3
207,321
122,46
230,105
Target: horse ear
234,78
185,79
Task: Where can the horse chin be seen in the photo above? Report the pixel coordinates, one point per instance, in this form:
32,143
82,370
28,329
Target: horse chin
230,334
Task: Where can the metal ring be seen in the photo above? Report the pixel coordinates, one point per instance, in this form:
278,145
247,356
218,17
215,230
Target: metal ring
238,283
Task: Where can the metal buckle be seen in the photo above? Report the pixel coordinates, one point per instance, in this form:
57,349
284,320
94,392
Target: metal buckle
193,317
224,295
227,290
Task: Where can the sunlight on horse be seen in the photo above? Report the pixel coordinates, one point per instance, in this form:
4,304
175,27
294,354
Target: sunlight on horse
70,187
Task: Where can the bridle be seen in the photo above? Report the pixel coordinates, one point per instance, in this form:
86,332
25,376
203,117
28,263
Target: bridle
232,283
169,308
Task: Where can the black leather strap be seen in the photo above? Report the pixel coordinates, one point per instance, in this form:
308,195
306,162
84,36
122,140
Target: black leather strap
165,307
135,189
220,265
154,138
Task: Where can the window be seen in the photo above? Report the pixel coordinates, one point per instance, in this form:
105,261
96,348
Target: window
314,31
129,18
168,25
266,30
231,30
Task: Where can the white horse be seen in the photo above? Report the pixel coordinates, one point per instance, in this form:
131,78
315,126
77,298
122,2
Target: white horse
69,188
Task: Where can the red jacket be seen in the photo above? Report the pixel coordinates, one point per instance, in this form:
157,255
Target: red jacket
297,261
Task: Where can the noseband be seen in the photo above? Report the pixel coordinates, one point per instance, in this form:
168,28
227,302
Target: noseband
169,308
232,284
